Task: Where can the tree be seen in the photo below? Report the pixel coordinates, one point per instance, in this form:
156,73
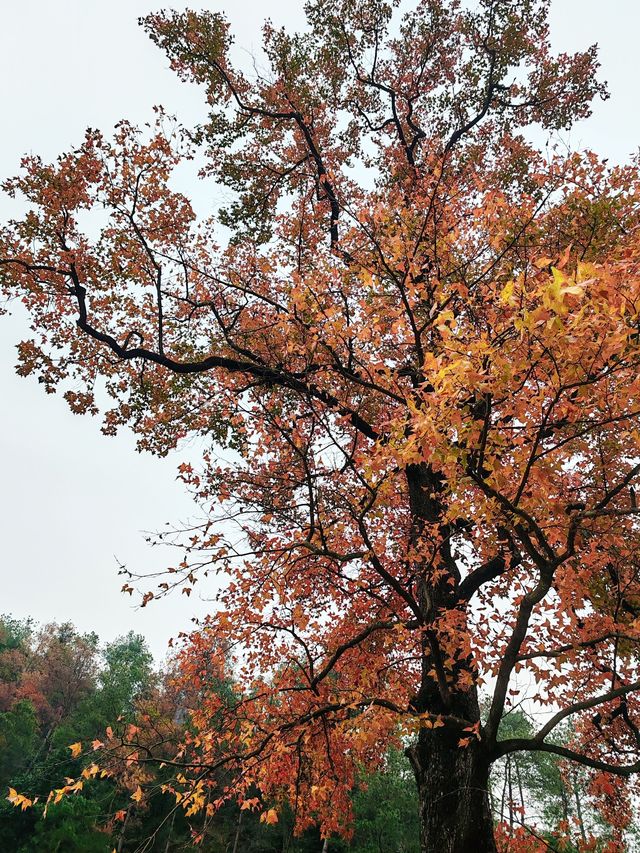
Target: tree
57,692
419,345
544,797
127,674
18,731
386,810
14,652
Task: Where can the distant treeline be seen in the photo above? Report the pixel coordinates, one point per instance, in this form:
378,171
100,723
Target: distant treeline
59,687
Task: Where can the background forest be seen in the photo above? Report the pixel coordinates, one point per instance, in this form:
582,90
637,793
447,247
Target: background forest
60,688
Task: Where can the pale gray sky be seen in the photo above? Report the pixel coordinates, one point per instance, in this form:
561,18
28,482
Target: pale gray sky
71,500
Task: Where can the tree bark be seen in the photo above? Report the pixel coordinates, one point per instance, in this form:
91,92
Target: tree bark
123,830
453,782
237,836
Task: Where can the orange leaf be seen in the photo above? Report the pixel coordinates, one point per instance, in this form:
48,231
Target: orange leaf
269,817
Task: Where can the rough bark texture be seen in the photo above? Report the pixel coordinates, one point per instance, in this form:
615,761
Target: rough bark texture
452,780
455,814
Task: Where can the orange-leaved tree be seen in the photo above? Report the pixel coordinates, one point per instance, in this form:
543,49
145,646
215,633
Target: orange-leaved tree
420,344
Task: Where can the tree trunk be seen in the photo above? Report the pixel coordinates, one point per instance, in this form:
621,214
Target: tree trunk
576,794
453,781
237,836
123,830
173,820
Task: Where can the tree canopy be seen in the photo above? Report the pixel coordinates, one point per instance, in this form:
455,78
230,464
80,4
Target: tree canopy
416,336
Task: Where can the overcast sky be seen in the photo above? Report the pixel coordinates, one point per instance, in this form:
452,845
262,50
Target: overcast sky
72,502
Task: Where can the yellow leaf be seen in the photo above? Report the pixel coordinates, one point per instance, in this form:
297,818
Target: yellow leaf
507,292
137,794
23,802
559,278
269,817
76,749
585,271
46,807
90,772
574,290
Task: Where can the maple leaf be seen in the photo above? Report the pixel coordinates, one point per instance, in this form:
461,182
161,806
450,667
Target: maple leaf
19,800
269,817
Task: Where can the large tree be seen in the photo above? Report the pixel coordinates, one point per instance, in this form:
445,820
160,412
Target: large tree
417,335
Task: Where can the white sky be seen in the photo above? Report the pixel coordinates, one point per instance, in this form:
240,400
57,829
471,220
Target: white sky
71,500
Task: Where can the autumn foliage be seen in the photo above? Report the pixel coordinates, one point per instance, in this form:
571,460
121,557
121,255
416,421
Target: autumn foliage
416,337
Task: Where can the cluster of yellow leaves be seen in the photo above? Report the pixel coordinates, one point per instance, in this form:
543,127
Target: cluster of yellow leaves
19,800
71,786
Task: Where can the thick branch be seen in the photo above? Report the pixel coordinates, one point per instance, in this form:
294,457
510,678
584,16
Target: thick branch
522,744
269,375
